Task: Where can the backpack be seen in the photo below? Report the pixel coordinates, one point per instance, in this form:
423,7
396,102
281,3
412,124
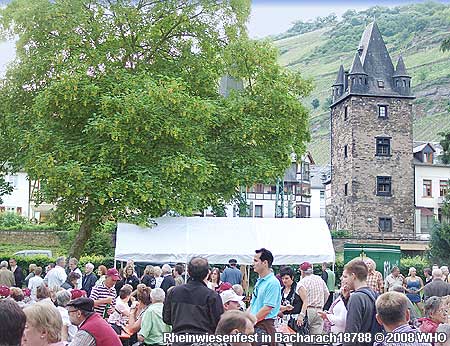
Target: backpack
375,327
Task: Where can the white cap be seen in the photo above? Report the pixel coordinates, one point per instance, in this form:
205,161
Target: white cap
230,296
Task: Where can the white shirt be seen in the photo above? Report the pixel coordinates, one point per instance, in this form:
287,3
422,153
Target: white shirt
338,317
56,277
80,280
71,329
33,284
159,280
119,318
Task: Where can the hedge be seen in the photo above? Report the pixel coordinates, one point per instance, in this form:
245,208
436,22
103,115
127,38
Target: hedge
42,261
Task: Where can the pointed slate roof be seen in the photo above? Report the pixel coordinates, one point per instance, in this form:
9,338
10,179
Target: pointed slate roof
357,68
376,60
340,76
400,71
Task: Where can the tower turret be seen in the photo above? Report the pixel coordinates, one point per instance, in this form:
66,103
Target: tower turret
358,77
401,79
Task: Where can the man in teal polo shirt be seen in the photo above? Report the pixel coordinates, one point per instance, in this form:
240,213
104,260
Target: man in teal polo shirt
266,297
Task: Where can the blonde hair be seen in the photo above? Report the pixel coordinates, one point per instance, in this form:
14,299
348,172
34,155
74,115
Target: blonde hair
32,267
149,270
158,271
45,317
128,267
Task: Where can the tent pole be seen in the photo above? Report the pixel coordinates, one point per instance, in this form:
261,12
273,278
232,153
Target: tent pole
185,270
248,278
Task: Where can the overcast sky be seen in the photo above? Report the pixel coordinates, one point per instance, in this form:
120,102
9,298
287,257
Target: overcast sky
270,17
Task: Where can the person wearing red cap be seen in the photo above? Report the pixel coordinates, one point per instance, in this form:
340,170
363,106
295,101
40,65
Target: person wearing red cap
105,293
76,293
314,293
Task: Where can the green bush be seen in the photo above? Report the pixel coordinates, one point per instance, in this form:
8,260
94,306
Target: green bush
12,219
340,233
100,242
417,262
96,261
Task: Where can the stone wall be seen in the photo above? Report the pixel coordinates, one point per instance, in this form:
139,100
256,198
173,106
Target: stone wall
361,168
37,238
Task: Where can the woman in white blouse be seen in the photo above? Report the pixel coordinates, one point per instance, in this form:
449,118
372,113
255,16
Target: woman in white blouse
335,318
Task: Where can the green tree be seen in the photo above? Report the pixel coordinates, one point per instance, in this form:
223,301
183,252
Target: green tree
440,237
445,142
315,103
119,112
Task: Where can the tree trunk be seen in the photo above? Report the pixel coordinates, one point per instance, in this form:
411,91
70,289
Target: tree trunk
87,226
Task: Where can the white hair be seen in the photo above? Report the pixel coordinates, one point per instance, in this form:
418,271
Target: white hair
436,273
60,260
3,264
166,268
63,297
90,266
157,295
238,289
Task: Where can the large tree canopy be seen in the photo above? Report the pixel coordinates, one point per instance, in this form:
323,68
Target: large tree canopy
119,112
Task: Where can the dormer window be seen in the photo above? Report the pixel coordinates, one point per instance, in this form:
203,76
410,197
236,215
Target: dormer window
428,157
380,84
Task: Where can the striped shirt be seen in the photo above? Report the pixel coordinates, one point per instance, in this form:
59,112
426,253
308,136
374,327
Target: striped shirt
102,292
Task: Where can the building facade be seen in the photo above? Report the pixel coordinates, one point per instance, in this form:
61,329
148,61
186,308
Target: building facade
18,201
290,196
431,187
372,178
319,175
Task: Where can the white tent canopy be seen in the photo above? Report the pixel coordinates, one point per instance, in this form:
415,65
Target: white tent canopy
177,239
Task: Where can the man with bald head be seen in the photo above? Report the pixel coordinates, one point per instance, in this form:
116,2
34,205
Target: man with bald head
437,287
193,308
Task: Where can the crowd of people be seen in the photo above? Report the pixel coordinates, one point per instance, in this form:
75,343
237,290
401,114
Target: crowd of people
63,305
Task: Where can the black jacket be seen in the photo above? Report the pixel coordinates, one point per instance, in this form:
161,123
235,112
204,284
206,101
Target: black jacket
149,281
18,276
192,308
67,285
88,282
294,299
167,282
131,280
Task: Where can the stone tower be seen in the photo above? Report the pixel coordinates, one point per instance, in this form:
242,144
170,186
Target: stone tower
372,182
